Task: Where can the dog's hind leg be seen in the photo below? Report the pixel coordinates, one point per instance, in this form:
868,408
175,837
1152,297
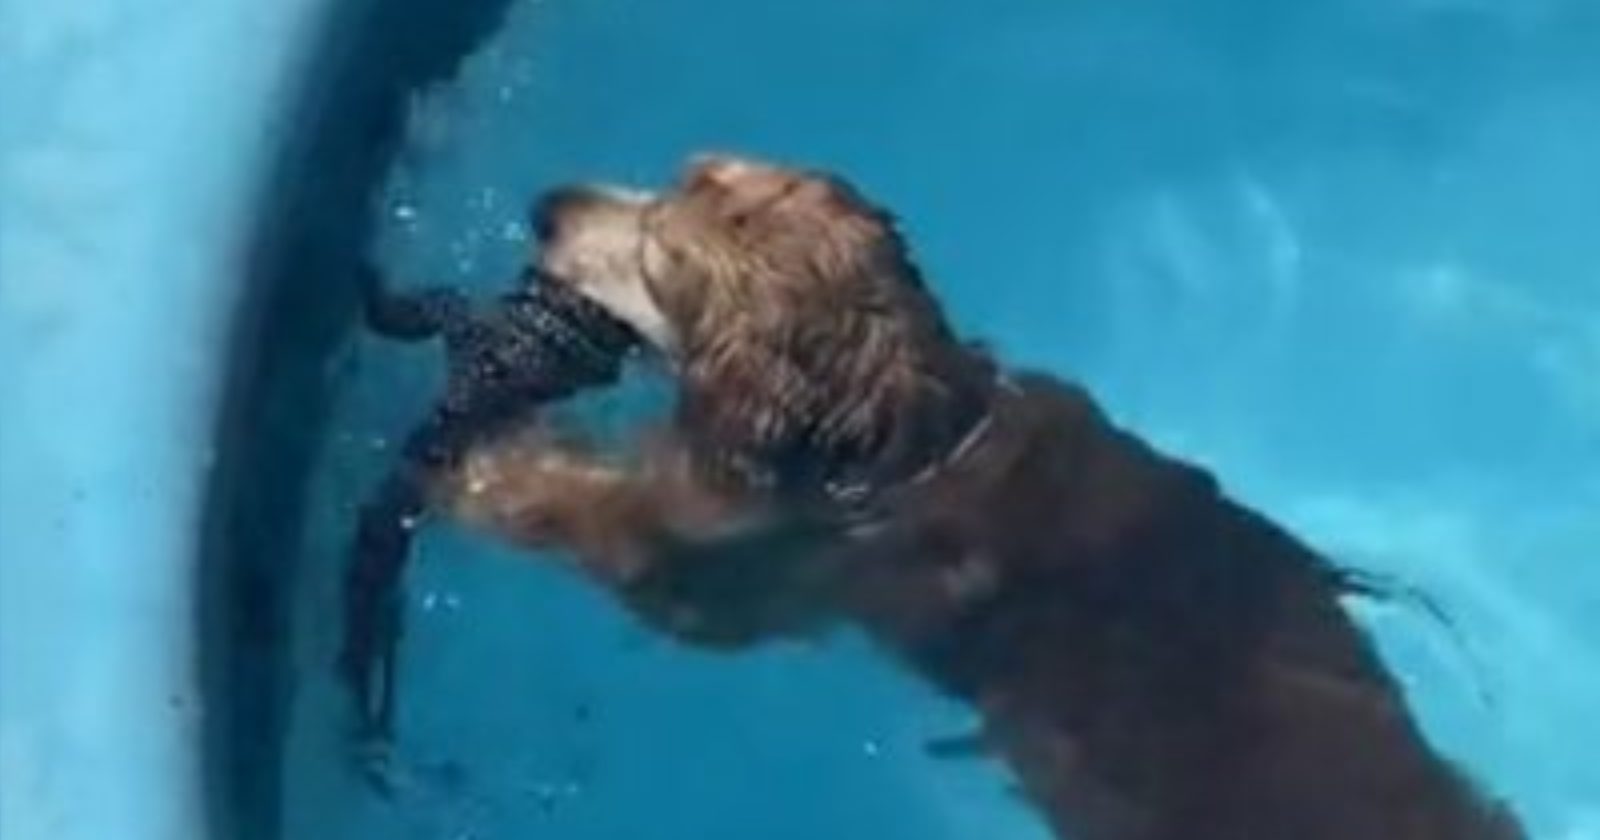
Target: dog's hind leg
712,566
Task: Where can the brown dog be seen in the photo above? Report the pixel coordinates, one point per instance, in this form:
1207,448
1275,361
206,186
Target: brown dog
1154,660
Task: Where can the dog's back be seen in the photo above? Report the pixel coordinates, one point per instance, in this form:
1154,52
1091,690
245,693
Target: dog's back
1156,661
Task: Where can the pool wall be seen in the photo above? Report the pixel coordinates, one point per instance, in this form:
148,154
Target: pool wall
133,138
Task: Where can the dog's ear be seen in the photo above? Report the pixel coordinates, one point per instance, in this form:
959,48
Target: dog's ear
820,350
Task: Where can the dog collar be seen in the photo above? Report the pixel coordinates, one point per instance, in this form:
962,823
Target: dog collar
855,495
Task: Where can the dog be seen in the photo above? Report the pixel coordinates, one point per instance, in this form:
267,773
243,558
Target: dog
1151,658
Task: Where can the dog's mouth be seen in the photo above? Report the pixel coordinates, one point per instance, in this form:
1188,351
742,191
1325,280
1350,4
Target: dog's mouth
596,241
609,242
581,338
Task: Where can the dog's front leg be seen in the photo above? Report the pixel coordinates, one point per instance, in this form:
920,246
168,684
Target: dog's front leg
710,566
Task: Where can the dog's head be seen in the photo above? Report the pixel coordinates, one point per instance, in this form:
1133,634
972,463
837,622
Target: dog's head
787,302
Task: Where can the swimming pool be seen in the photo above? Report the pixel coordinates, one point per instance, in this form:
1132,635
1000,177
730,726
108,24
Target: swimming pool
1338,251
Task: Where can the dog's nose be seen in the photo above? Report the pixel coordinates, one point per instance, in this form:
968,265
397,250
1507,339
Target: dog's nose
546,214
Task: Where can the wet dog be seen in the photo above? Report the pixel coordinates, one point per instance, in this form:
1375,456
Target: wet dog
1152,659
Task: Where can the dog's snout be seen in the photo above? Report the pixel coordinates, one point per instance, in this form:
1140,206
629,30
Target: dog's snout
555,205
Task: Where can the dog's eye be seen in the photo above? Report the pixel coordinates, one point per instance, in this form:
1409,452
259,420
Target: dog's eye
699,177
741,208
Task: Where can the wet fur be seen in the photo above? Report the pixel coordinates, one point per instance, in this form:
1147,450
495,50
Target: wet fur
1152,659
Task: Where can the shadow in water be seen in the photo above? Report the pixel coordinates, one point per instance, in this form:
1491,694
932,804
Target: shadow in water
300,304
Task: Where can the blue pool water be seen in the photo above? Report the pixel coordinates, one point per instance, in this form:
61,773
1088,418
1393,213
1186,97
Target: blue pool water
1341,251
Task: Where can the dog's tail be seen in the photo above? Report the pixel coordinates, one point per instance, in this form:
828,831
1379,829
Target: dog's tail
1384,587
1389,588
415,316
